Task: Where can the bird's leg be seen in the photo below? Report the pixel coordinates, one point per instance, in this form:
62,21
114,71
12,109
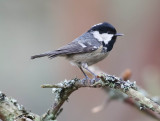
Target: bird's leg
86,77
85,66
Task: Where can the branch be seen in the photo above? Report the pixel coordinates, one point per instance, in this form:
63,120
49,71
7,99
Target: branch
63,91
117,95
126,87
10,110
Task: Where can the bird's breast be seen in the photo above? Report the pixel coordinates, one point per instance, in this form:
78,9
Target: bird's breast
89,58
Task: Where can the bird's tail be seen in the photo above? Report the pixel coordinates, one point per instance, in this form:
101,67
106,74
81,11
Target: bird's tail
51,54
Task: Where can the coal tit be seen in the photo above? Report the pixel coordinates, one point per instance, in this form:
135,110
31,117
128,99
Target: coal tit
90,48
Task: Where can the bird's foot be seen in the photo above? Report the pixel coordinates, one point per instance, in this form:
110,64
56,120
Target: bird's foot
86,80
89,81
95,79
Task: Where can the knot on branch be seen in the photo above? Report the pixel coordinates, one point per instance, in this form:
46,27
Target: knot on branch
63,89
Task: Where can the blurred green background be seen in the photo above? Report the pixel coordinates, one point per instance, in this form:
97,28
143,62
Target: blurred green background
29,27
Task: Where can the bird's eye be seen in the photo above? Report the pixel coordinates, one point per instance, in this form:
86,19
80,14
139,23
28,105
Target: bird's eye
109,32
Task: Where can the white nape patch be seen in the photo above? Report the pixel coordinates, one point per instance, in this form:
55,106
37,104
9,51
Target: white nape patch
82,44
97,24
102,37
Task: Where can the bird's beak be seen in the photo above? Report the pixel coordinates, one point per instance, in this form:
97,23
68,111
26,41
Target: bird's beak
118,34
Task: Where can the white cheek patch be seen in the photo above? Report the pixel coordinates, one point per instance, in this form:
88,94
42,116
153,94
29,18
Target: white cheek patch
106,37
82,44
102,37
97,36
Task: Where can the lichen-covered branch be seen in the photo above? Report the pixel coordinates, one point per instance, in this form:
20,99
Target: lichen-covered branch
117,95
62,90
138,96
126,87
10,110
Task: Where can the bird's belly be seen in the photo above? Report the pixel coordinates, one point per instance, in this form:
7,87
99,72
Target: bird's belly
89,58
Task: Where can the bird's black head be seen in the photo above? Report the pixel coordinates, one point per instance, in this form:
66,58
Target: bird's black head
104,28
105,33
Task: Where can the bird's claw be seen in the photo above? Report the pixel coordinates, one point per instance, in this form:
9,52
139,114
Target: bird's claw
85,80
95,79
89,81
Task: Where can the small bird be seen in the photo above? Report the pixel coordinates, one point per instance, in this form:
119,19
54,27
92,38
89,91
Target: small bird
88,49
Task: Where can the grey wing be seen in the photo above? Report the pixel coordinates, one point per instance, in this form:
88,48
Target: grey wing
84,44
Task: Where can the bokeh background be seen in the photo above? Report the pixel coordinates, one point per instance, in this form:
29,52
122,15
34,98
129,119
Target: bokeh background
29,27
